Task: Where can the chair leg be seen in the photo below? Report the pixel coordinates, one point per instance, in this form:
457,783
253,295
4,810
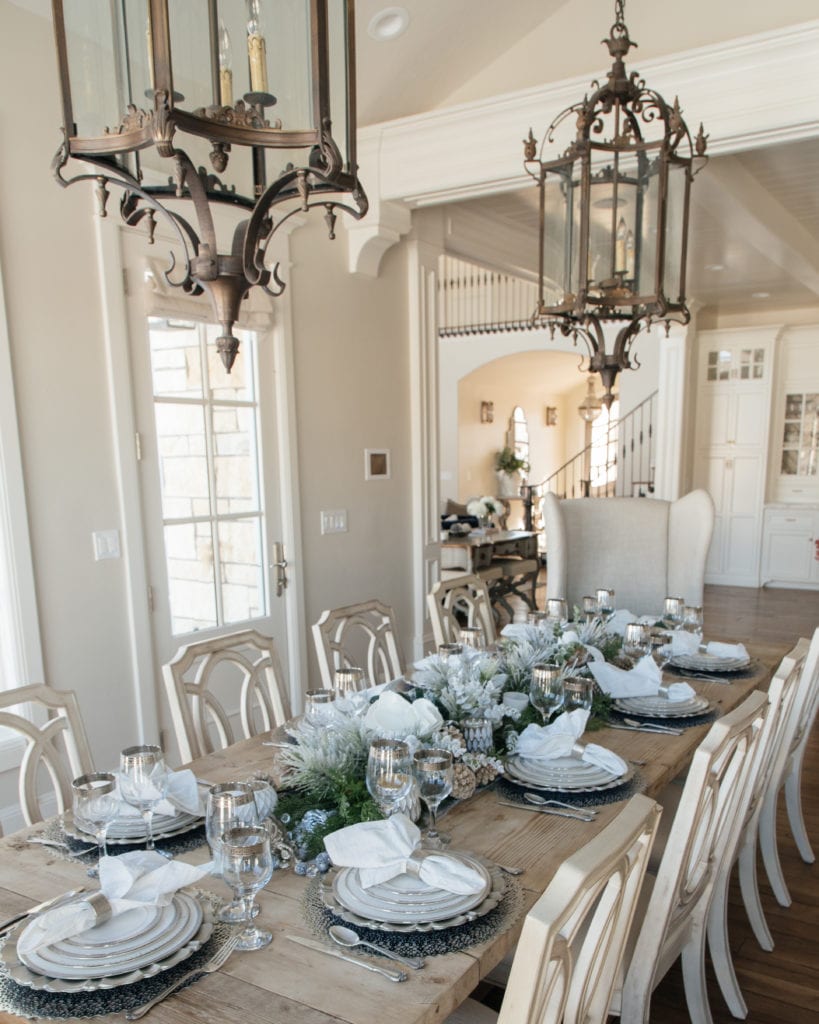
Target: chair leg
749,886
770,851
793,801
693,968
720,949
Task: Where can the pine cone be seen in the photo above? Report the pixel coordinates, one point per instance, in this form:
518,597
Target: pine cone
463,782
485,774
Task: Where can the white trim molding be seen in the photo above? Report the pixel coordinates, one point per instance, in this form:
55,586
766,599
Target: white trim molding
749,92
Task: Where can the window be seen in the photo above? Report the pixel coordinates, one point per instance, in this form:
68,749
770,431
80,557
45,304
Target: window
207,429
603,454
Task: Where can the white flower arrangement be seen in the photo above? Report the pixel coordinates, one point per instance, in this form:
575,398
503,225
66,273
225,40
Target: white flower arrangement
482,507
468,686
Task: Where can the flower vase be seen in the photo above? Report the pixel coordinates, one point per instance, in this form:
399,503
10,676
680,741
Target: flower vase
508,484
484,522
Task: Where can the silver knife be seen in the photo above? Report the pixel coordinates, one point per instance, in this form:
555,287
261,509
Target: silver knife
319,947
45,905
548,810
644,728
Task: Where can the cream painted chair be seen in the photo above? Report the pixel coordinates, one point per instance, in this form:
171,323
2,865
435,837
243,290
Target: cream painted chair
362,635
467,595
784,693
787,773
572,943
672,921
57,750
209,682
646,549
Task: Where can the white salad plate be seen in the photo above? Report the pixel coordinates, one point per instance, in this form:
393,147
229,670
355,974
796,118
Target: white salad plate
662,707
708,663
411,901
134,945
566,774
132,830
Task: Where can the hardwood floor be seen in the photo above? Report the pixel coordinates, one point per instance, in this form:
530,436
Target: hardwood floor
783,985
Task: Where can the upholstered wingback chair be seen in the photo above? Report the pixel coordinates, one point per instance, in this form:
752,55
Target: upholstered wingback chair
646,549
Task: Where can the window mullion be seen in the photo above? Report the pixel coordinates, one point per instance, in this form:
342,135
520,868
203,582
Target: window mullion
210,451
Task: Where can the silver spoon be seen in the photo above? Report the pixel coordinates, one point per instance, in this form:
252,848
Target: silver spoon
347,937
652,727
540,801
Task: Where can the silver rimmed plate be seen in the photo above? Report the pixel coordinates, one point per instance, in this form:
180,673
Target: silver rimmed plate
126,949
132,830
708,663
407,899
661,707
563,774
497,887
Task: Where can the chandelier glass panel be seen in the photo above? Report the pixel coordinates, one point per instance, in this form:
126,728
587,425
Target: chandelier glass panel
242,103
614,210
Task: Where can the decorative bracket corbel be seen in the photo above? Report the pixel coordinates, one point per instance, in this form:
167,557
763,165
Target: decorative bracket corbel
370,238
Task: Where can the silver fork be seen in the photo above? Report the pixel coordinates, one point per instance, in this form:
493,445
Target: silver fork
212,965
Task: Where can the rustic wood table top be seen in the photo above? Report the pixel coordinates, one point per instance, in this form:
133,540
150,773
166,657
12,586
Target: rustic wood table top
289,982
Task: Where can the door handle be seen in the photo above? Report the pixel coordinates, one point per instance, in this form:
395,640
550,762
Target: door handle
279,563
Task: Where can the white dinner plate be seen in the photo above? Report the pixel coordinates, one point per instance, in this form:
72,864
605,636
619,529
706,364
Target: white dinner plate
411,901
708,663
565,774
132,830
129,942
661,707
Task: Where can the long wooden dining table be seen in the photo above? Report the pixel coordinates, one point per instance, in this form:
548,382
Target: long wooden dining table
287,982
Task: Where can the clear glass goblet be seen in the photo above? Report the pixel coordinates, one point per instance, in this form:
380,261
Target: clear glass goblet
692,619
588,606
673,611
319,707
557,609
605,602
143,782
389,774
546,692
247,867
579,693
472,636
636,640
434,775
350,680
537,618
95,805
229,805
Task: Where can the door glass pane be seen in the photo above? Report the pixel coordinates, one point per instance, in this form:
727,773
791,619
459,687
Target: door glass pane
240,546
191,584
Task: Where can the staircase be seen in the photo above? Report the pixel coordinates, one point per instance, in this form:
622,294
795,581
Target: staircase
618,463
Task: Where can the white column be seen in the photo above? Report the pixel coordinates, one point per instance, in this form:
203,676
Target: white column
670,423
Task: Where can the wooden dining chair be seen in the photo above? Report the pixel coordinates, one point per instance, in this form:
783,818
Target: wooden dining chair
568,956
462,600
783,693
362,635
57,750
212,683
787,774
672,924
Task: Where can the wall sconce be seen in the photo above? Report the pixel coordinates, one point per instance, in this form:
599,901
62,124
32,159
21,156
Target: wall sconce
551,415
487,412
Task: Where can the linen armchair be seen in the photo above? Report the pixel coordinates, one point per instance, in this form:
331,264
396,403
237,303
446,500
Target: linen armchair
645,548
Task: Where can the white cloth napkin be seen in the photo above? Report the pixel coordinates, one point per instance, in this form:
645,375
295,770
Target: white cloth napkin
546,742
385,849
622,617
136,879
720,650
642,681
182,794
682,642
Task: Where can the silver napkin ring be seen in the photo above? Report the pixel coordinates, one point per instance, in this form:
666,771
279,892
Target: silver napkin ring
101,907
578,749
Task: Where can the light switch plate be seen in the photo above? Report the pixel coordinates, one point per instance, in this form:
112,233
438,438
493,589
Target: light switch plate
334,520
106,544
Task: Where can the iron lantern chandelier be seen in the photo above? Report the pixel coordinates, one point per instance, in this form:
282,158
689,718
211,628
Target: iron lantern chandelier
260,94
614,212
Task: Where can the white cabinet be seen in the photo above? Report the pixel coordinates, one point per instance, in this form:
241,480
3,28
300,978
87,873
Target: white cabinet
794,466
790,546
734,373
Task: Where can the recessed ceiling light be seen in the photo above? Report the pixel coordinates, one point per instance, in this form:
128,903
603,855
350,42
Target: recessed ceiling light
760,295
390,23
715,267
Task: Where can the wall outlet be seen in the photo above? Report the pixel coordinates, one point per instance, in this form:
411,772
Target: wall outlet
334,521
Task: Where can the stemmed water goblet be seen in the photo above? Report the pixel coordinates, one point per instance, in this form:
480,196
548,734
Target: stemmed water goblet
389,774
579,693
447,651
247,866
546,692
692,619
588,606
434,776
636,640
229,805
95,804
472,636
557,609
673,611
605,602
319,708
143,781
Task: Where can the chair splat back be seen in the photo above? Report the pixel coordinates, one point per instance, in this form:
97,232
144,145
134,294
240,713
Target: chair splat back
59,748
244,667
456,601
362,635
